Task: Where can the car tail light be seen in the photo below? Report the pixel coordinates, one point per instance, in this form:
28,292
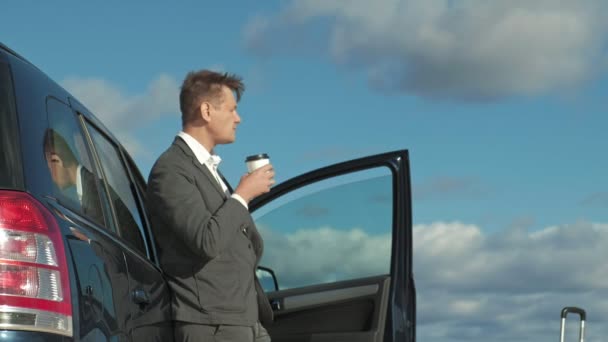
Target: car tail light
34,280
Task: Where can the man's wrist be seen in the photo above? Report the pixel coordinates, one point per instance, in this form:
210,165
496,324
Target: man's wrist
240,199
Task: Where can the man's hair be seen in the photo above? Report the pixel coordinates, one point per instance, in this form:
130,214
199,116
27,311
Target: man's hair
206,85
55,143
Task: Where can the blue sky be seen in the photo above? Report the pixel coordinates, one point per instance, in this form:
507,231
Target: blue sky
501,104
535,154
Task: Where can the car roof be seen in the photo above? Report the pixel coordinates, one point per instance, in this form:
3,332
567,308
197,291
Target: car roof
14,53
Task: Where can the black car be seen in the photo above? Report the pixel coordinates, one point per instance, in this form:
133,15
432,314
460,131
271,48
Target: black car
78,260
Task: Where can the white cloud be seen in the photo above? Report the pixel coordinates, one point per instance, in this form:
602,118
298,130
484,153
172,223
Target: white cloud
513,261
121,112
357,253
472,285
468,49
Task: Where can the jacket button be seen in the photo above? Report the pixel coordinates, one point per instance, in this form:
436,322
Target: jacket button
249,246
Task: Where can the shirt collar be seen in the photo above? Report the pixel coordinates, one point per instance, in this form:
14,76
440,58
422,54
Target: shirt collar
202,155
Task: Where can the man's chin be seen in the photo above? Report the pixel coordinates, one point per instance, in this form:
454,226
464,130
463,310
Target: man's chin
227,141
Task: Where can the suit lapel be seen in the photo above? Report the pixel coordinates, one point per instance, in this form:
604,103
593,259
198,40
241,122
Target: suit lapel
210,177
254,236
186,149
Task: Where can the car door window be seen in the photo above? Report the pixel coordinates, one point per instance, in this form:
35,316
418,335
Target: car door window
331,230
138,179
76,182
140,192
120,189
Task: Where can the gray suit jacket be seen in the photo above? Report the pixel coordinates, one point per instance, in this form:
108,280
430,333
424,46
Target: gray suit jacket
208,244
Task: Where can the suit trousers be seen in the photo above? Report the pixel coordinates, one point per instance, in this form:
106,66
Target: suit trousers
191,332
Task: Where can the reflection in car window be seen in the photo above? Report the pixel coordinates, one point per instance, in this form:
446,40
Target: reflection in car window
121,191
333,230
75,183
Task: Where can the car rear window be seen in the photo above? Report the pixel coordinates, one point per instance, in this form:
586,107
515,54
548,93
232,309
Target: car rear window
10,159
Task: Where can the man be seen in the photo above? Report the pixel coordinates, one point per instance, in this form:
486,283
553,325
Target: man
79,185
75,181
208,244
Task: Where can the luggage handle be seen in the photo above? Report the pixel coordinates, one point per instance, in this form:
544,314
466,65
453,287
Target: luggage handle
583,316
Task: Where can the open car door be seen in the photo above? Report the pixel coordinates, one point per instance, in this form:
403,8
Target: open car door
337,262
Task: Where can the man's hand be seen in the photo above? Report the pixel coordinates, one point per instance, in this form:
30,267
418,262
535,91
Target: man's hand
256,183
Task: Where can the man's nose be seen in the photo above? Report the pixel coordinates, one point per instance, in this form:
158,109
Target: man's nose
237,117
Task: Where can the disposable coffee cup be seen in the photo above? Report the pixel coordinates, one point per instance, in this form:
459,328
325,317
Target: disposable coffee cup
256,161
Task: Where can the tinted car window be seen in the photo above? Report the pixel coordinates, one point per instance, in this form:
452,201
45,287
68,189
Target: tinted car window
123,199
10,172
140,189
332,230
76,185
140,183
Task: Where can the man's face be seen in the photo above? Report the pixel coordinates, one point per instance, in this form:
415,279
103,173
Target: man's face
59,173
224,118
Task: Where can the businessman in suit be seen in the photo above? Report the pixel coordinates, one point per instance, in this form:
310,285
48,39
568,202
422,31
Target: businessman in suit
208,243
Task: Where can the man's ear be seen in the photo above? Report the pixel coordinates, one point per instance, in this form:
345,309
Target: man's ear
205,111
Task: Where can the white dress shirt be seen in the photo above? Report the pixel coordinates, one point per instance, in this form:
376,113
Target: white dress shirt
210,161
79,183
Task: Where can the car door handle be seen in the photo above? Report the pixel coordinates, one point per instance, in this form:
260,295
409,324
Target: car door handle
140,297
275,304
